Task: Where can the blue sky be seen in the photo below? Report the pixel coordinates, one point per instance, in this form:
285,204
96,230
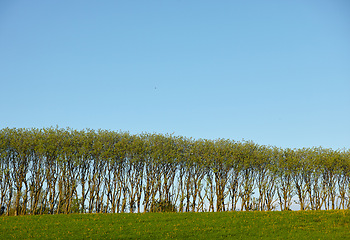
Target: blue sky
274,72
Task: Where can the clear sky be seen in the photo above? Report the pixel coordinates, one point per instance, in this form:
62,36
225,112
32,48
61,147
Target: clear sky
274,72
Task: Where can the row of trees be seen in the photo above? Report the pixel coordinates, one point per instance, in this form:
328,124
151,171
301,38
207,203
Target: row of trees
54,170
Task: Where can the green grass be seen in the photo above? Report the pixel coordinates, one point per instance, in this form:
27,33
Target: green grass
223,225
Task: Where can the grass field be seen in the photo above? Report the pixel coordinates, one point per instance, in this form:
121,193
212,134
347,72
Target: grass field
222,225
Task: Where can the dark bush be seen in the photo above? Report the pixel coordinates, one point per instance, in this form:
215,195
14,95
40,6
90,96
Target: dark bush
163,206
2,210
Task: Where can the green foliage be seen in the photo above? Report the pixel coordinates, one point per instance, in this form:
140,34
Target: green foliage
55,170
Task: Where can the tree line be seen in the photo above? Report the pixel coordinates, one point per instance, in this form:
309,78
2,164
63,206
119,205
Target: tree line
54,170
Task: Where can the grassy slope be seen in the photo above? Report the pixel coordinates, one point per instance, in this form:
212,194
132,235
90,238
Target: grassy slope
224,225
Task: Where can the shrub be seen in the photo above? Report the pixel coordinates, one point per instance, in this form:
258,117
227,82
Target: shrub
163,206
